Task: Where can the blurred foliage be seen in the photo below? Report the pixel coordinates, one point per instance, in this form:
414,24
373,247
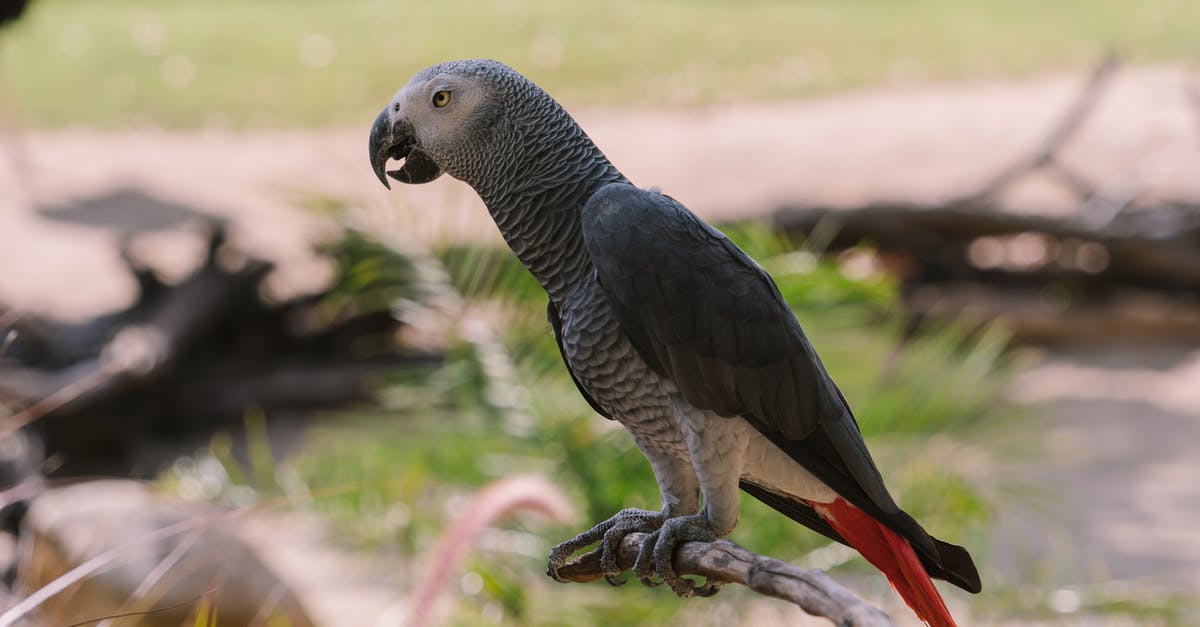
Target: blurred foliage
274,63
490,274
368,277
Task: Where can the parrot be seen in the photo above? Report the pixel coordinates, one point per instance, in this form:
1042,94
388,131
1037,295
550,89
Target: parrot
666,327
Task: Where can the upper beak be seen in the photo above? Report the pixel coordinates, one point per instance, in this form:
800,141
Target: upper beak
393,139
386,143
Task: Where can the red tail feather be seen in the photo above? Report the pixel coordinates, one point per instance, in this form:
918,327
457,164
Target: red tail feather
891,554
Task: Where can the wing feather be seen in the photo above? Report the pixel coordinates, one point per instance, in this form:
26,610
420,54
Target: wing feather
706,316
703,314
556,324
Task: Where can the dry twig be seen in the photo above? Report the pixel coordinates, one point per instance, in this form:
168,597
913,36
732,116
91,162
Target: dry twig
1059,134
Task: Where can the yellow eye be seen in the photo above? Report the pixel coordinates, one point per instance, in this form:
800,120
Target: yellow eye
441,98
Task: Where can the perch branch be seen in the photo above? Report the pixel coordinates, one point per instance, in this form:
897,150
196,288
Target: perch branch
725,562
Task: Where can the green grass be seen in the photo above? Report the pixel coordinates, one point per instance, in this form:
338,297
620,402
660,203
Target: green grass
274,63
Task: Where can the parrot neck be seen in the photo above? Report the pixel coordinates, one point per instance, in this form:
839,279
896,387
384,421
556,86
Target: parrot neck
538,212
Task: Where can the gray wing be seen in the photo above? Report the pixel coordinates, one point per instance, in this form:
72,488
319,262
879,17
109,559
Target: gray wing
702,313
705,315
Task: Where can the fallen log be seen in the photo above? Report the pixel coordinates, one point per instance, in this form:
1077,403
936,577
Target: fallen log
1110,247
1157,248
189,357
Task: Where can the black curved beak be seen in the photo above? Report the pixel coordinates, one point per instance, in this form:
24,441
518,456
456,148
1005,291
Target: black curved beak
387,143
394,140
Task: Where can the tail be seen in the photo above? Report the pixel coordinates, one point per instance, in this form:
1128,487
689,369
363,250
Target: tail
890,553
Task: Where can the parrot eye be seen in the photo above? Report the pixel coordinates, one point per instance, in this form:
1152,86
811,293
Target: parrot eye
441,98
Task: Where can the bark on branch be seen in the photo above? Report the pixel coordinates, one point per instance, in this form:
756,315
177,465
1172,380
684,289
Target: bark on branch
725,562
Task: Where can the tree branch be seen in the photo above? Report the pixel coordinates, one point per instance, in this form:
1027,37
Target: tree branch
725,562
1062,132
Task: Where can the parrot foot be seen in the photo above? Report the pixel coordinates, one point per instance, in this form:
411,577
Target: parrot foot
609,533
655,555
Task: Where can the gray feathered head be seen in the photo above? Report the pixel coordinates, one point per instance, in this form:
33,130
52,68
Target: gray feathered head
472,119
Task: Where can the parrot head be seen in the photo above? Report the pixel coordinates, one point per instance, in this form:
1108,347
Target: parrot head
444,120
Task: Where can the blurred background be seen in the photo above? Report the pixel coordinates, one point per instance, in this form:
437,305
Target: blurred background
242,383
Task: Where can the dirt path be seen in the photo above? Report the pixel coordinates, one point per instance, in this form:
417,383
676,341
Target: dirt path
1121,424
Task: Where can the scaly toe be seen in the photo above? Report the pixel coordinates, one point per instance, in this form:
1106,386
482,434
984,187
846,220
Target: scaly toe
559,556
561,553
643,567
554,563
610,545
609,533
662,552
672,533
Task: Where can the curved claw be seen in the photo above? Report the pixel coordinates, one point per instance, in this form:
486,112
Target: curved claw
672,533
643,566
614,580
707,589
682,587
558,558
552,572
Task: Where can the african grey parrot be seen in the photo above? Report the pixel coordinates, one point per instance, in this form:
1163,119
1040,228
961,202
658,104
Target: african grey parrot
666,327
